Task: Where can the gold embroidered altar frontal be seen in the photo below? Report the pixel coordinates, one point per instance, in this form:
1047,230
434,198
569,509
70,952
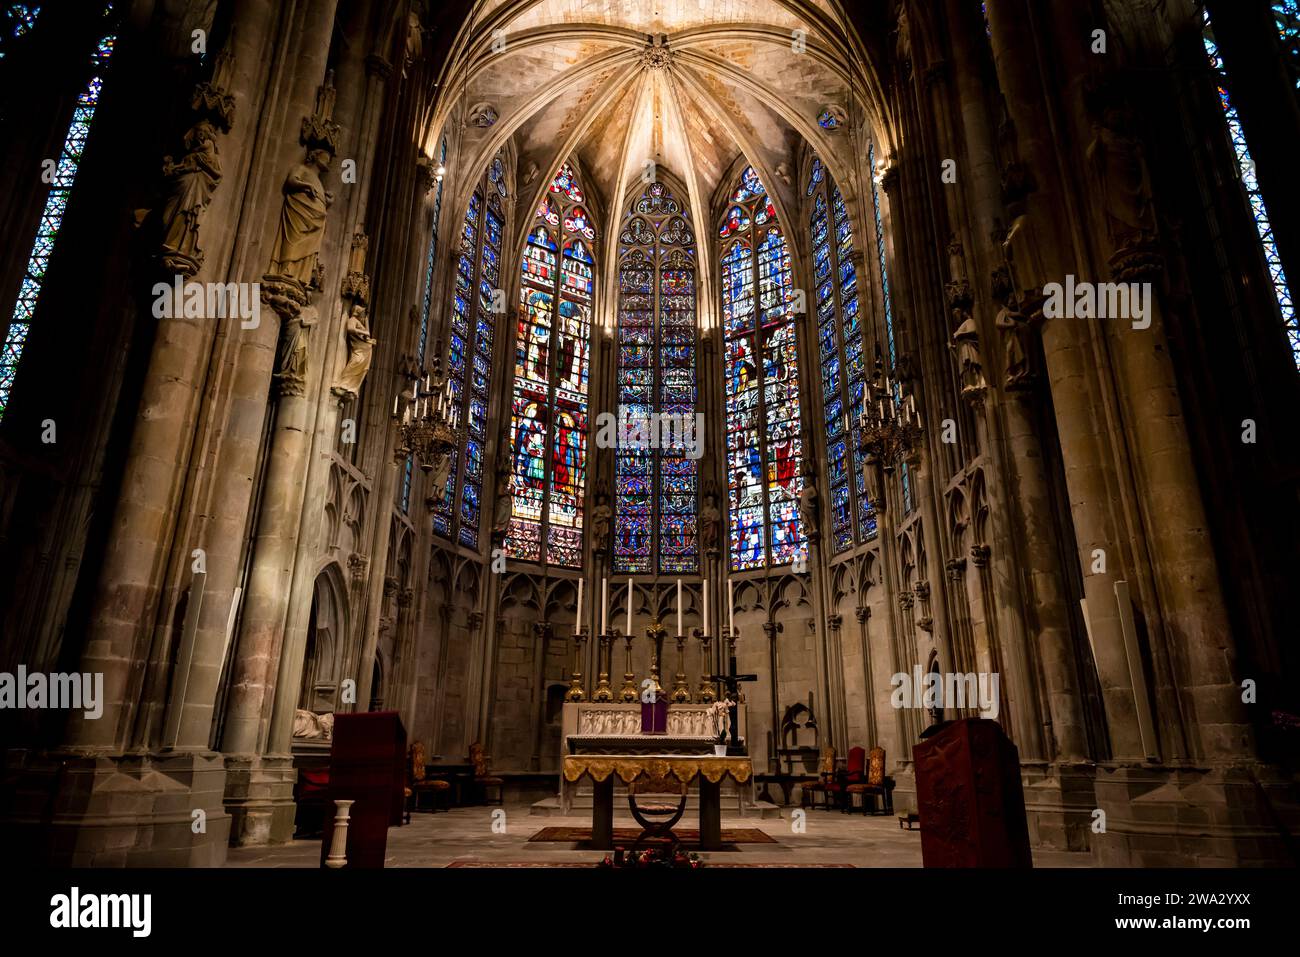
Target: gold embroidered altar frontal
684,767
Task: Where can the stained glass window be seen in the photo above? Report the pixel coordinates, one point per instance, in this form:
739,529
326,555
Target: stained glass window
471,332
656,492
56,204
842,357
1286,13
1259,212
16,20
549,406
433,255
764,441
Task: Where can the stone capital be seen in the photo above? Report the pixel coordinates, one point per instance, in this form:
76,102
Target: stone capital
979,555
863,612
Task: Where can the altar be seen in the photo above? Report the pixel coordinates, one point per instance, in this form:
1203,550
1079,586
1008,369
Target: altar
709,769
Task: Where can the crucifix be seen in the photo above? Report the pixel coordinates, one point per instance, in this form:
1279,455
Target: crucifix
731,681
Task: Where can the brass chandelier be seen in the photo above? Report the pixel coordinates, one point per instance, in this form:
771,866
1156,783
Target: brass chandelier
426,427
889,428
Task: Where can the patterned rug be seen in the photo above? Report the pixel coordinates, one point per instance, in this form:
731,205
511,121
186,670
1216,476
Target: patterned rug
626,835
710,865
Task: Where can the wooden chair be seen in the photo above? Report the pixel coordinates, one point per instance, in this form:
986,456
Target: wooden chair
657,817
418,783
809,789
877,785
482,779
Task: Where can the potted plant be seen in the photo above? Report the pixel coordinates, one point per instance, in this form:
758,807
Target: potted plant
720,711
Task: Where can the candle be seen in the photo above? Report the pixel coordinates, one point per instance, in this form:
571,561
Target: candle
629,607
731,607
395,406
604,606
705,588
578,617
679,606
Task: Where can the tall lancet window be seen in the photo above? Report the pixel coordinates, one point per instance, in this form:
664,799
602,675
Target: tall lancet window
764,446
842,357
469,352
19,20
656,489
1250,183
548,413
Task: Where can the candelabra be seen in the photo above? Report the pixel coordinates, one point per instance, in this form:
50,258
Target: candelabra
681,690
604,658
576,693
628,692
708,693
426,426
889,428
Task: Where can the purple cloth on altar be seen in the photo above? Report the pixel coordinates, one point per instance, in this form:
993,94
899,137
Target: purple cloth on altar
654,717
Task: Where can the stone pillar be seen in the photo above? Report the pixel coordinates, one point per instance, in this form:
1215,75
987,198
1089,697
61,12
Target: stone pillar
1042,248
130,577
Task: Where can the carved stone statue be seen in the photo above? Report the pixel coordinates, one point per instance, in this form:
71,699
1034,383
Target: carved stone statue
360,347
309,725
1015,342
291,361
601,516
504,503
710,521
808,507
439,475
190,185
1121,172
966,342
903,40
302,220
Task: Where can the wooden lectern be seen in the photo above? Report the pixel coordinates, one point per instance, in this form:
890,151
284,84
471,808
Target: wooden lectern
368,766
970,798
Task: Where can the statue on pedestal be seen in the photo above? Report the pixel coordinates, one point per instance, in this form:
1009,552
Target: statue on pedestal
360,347
601,516
191,183
302,220
710,521
291,360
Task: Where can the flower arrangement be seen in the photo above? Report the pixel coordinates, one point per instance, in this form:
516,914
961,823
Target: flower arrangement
651,857
720,712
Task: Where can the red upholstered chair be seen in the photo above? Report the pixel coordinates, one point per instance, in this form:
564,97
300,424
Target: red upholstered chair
877,785
854,773
417,783
482,779
812,787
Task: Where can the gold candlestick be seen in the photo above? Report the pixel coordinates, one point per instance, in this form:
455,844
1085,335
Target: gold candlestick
681,690
708,694
629,692
575,692
603,654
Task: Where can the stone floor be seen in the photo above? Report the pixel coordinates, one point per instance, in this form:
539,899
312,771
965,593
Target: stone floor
466,834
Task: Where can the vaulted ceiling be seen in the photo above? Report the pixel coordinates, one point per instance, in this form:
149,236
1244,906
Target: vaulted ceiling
690,85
